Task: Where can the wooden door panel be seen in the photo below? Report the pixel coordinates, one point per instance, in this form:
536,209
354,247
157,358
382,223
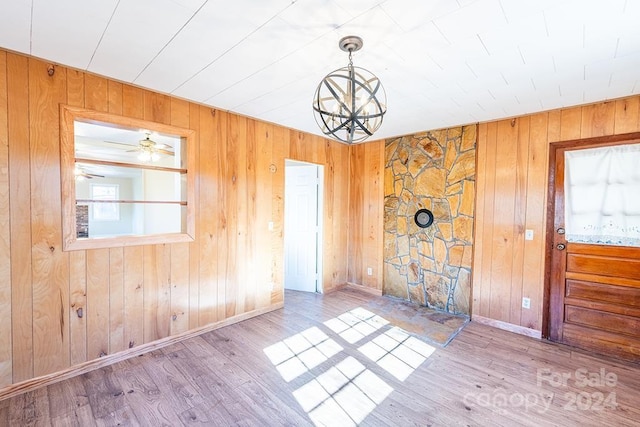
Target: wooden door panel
603,265
603,292
603,306
604,250
607,280
621,346
617,323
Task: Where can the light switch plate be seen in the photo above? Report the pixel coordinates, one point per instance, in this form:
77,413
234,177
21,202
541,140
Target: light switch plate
528,234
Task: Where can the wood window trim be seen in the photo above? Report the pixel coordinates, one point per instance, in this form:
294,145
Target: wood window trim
70,242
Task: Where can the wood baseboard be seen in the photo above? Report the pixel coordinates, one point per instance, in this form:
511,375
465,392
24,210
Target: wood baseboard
334,289
367,289
45,380
533,333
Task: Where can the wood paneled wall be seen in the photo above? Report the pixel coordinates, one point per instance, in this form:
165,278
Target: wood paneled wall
366,198
512,177
60,309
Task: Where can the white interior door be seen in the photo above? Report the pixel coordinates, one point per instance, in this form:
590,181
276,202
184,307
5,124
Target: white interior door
301,239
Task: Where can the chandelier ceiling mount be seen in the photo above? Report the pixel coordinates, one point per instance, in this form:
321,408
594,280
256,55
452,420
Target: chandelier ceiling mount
351,44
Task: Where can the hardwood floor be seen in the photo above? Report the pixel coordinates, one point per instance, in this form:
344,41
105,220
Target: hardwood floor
296,366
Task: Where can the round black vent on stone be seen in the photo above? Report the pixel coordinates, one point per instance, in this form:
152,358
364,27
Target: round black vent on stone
423,218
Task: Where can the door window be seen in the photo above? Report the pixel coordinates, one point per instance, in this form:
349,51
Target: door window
602,195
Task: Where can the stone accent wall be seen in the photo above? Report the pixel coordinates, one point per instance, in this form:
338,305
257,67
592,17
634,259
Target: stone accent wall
433,170
82,221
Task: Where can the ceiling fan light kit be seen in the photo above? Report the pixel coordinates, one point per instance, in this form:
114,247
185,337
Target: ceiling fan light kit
148,155
149,150
350,102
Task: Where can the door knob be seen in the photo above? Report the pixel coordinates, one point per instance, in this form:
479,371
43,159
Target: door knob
560,230
560,246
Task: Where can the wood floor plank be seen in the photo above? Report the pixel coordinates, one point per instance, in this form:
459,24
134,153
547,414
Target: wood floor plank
4,412
270,408
262,372
30,409
78,417
67,397
180,391
151,406
121,416
103,391
231,414
223,367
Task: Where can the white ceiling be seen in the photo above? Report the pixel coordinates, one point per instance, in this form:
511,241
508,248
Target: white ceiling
442,62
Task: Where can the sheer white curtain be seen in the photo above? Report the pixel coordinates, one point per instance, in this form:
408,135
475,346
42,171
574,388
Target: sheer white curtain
602,195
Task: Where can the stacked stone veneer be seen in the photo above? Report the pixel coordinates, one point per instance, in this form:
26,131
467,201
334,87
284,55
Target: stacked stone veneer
433,170
82,221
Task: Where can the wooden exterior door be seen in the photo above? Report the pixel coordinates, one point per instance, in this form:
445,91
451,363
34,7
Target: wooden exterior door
594,290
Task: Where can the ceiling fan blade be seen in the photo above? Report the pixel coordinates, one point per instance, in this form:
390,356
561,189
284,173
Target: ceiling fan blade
161,146
165,152
120,143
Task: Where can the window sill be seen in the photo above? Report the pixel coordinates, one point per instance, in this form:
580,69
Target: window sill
77,244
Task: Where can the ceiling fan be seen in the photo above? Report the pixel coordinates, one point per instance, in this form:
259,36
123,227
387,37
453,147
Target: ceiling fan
149,150
81,174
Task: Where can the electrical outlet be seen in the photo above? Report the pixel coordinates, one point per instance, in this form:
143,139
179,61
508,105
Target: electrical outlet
369,271
270,225
271,285
528,234
526,302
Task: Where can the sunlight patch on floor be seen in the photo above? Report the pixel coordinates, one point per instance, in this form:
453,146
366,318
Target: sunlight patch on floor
397,352
356,324
346,392
344,395
301,352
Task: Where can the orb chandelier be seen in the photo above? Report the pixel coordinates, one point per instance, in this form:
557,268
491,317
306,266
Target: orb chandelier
350,102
